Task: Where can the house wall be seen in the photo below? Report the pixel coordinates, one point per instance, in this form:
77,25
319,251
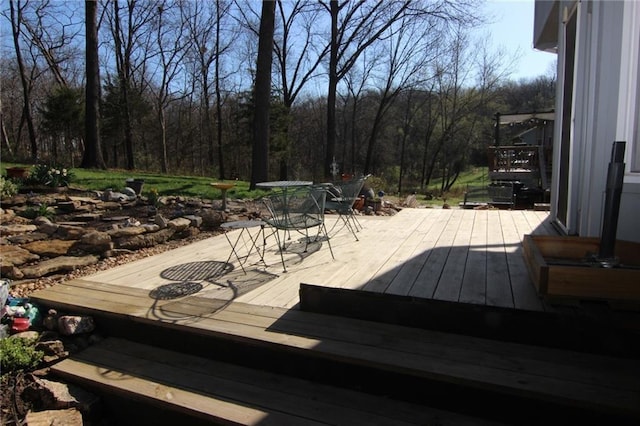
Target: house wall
605,109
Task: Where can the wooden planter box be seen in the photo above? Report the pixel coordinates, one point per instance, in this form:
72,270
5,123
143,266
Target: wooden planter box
17,172
555,267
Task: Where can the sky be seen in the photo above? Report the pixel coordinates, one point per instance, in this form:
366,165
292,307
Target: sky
512,28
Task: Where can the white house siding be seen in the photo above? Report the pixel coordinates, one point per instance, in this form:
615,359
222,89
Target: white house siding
605,109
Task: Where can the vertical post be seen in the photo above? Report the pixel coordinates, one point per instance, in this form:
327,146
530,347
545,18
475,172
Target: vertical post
615,178
497,130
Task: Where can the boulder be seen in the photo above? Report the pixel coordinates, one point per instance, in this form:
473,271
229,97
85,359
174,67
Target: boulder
70,232
50,394
10,271
15,255
69,325
145,240
68,206
127,231
161,221
212,219
6,215
49,248
92,242
62,263
45,225
17,228
179,224
151,227
195,221
53,350
27,238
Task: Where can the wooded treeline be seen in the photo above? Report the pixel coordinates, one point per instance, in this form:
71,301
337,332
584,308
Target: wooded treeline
395,88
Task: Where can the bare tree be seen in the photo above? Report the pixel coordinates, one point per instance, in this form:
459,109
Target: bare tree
356,25
300,51
205,25
52,30
170,54
131,36
16,20
92,157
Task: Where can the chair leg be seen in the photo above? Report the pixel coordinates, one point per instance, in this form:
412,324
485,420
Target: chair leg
352,227
280,249
326,234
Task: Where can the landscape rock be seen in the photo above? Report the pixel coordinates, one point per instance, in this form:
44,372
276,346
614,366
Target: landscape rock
62,263
179,224
53,350
75,324
88,217
68,417
16,255
49,394
49,248
212,219
6,215
10,271
161,221
128,231
145,240
70,232
45,225
50,321
68,206
27,238
195,221
150,227
13,229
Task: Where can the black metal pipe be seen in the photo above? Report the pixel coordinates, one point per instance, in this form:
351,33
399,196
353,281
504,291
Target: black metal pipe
615,178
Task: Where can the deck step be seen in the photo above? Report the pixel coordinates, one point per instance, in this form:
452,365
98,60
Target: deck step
201,389
470,375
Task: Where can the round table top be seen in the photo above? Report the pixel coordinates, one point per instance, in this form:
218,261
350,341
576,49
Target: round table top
237,224
222,185
283,183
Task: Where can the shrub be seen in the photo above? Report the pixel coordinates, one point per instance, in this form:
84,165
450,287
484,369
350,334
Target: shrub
52,176
19,354
7,188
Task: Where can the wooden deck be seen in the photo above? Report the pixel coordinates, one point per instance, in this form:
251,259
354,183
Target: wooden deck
189,335
468,256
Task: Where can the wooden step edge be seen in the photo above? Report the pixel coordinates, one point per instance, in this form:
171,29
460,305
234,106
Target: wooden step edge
219,392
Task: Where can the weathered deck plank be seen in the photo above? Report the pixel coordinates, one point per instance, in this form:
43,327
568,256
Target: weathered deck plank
456,255
542,374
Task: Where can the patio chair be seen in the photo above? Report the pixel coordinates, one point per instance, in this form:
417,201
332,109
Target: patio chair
299,209
341,198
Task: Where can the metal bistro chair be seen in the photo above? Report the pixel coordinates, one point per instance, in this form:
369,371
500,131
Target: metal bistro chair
299,209
341,198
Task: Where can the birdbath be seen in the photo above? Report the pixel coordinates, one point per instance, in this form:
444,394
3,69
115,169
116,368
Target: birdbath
223,187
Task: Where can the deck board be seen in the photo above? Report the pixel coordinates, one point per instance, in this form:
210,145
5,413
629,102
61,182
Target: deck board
539,373
456,255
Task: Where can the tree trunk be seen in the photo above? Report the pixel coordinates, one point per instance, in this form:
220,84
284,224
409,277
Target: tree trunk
333,87
260,166
218,97
15,27
92,157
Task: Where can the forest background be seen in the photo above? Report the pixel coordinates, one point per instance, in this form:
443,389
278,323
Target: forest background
396,88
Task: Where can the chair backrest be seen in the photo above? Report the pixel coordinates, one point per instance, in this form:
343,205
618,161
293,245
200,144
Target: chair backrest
296,208
349,192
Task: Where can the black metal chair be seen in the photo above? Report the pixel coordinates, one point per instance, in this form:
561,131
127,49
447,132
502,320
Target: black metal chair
299,209
341,198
